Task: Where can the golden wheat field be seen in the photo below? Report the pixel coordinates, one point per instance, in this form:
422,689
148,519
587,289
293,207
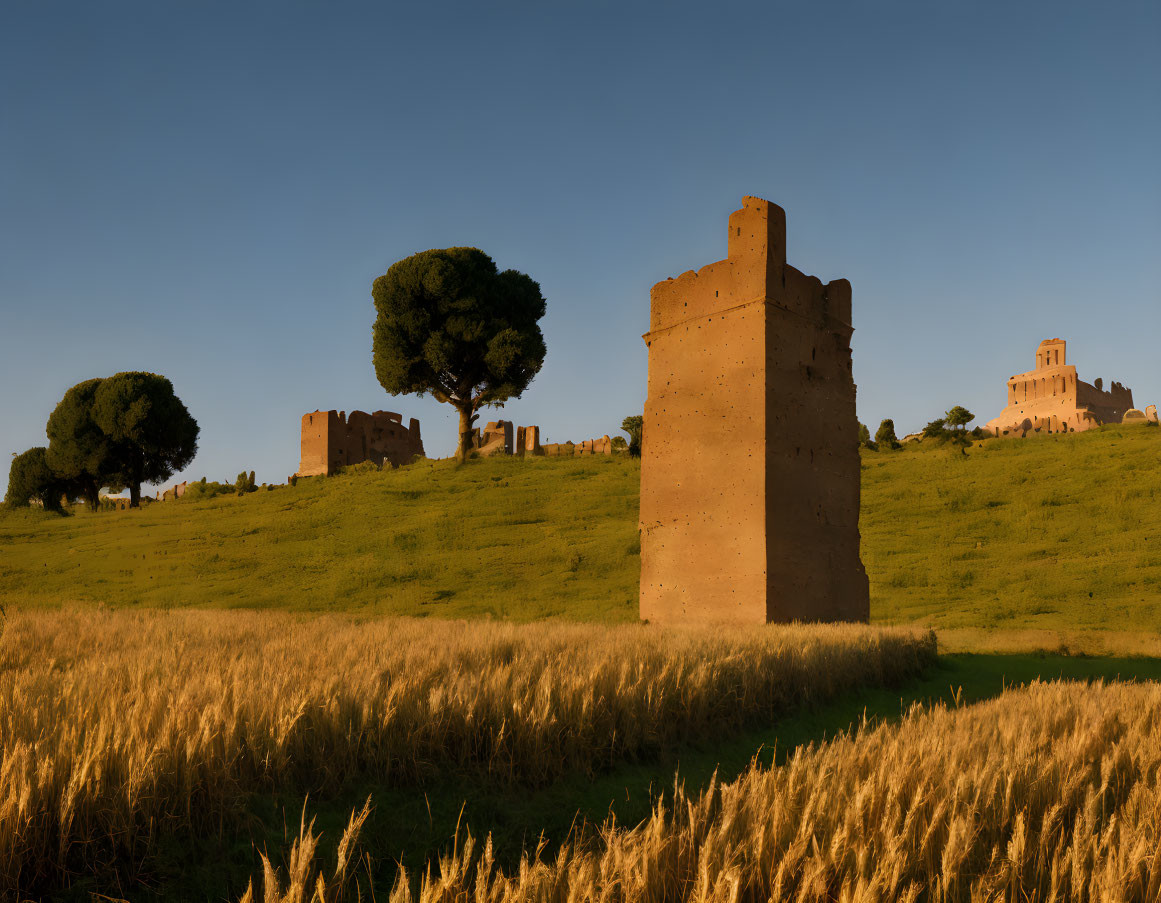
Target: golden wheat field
1047,793
116,727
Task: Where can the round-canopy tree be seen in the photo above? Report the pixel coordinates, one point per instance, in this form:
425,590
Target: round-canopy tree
448,323
78,450
959,417
151,433
31,478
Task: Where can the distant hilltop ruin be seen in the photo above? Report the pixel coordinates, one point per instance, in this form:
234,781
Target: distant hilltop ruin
331,440
1053,399
502,437
750,463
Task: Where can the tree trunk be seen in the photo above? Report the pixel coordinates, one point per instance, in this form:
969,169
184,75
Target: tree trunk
134,495
93,497
465,446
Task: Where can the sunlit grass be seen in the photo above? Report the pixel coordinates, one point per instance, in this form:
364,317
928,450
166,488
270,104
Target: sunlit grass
1058,533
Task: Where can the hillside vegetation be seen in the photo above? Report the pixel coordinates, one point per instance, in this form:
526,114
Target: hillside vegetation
1052,532
121,732
504,537
1056,533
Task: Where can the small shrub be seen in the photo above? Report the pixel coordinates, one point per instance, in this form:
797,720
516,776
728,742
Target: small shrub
362,467
203,490
885,436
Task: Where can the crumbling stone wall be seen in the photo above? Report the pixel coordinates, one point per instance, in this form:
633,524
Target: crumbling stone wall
174,492
496,438
602,446
528,441
331,440
1053,399
502,437
750,467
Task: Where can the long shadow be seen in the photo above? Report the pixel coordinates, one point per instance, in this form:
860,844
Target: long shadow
414,825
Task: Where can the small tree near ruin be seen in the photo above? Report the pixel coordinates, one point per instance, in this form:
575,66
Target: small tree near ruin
958,418
633,425
447,323
152,434
885,435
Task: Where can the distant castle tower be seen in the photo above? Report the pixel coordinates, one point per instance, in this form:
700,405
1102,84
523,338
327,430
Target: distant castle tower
1053,399
750,463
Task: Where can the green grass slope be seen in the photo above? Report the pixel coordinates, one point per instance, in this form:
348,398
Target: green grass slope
1055,533
506,538
1052,532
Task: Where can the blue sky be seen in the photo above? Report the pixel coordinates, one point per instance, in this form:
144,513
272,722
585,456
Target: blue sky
207,190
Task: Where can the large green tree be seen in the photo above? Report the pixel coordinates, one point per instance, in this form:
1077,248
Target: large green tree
449,324
31,478
78,450
152,435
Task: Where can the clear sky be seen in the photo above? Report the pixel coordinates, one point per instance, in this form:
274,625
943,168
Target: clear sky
206,190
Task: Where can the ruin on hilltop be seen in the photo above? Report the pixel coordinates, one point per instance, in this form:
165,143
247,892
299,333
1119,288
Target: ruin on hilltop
1052,398
331,440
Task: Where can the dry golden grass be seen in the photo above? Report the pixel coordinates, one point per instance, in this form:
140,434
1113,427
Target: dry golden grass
1049,793
115,726
1139,643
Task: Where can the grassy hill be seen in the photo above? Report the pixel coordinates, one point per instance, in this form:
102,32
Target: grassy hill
1054,533
505,538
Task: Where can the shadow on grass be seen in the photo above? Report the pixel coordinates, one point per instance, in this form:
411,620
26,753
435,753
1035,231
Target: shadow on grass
413,825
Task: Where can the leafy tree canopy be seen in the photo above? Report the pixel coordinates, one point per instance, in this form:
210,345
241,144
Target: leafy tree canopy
936,429
865,437
151,433
31,478
449,324
959,417
78,450
634,425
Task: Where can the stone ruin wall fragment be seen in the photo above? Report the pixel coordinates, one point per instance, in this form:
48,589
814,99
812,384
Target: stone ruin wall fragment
331,440
750,467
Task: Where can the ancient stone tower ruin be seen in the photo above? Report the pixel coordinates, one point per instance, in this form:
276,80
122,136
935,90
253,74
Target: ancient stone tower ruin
331,440
1054,399
750,468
